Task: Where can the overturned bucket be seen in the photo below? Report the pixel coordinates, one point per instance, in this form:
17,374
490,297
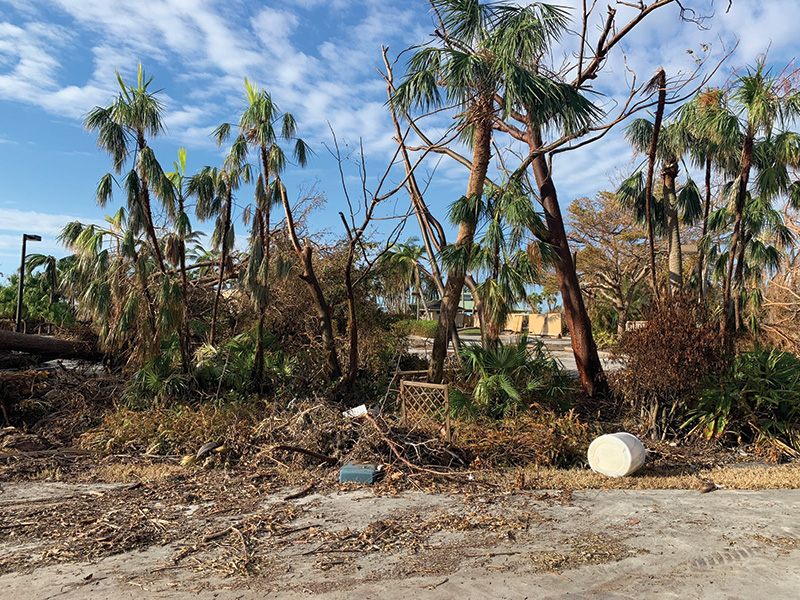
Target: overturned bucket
616,454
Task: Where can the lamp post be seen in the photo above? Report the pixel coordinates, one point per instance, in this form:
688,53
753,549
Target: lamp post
25,238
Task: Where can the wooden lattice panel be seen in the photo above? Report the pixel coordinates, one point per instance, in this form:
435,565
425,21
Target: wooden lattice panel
425,405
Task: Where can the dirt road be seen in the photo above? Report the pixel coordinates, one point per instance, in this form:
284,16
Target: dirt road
595,544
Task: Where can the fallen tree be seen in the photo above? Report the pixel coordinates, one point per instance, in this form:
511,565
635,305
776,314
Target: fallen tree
47,347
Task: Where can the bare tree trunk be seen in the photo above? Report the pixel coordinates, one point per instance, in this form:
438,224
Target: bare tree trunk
622,318
352,324
310,277
590,369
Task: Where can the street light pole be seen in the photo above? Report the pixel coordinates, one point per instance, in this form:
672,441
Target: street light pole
25,238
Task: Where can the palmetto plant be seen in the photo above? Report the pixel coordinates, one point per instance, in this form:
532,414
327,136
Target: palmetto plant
508,378
757,399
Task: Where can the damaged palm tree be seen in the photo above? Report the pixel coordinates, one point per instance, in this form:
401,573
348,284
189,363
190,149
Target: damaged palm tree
474,61
214,189
263,125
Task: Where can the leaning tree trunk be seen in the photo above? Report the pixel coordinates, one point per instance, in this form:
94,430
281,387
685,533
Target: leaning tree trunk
661,81
590,369
454,286
321,305
669,173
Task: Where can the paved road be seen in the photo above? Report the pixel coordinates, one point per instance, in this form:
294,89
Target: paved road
561,349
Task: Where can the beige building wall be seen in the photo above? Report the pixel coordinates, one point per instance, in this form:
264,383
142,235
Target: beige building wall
515,323
549,324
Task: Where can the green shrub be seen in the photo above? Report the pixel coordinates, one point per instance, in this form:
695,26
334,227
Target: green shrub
508,379
420,327
227,368
757,400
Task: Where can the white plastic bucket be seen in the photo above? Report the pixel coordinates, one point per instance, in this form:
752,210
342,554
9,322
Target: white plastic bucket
616,454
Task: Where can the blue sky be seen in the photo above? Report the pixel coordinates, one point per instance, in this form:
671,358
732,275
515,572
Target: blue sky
317,58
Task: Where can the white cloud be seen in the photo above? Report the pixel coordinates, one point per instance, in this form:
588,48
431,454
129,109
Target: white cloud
318,60
25,221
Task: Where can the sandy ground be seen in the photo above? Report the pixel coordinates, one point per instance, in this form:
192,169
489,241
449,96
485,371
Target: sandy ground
354,544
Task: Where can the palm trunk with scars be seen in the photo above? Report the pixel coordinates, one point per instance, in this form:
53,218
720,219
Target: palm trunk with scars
728,323
701,267
264,238
466,233
669,173
184,341
223,258
145,192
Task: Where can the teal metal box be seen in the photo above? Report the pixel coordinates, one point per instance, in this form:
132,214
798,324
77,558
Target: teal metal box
358,473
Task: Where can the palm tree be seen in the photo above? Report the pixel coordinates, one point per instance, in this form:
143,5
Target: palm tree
214,189
475,59
509,265
403,261
122,129
551,106
176,248
658,83
711,151
759,107
108,281
50,264
262,124
671,145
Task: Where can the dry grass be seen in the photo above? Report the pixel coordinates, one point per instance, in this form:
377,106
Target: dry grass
739,477
136,472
